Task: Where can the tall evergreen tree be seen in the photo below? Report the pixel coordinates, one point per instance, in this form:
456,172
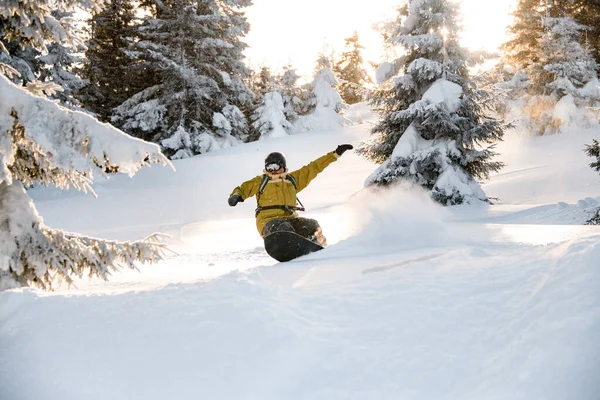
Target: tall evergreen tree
435,129
112,74
526,32
195,47
351,73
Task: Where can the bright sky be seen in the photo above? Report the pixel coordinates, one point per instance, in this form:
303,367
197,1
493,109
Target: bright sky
284,32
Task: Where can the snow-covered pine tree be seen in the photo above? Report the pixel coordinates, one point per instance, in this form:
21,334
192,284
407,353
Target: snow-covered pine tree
325,59
53,61
291,93
526,32
324,106
42,142
572,71
269,118
435,129
586,13
260,82
263,82
351,73
195,48
562,80
593,151
18,55
112,74
59,65
566,64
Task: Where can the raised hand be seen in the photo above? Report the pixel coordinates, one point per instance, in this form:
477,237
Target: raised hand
342,148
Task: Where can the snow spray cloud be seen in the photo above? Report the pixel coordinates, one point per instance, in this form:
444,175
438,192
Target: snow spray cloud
398,217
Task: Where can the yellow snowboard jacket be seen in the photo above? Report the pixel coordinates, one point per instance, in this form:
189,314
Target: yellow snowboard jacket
280,191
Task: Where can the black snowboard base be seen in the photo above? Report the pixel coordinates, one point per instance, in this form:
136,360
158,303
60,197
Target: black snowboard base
285,245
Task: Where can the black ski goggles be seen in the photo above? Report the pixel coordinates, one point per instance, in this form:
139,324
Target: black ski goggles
272,167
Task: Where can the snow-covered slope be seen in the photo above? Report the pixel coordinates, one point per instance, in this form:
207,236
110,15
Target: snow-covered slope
410,300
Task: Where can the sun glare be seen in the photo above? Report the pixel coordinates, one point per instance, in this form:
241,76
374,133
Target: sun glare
283,34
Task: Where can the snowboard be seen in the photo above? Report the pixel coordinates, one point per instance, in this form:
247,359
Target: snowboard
285,246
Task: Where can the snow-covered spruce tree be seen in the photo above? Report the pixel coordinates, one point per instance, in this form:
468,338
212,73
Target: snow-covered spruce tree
435,129
593,151
351,73
566,64
112,74
194,47
562,81
572,71
41,142
18,55
59,65
291,93
269,118
260,82
325,59
263,81
324,105
45,143
586,13
49,55
526,32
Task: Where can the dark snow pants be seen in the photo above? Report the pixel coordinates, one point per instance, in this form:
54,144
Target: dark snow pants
305,227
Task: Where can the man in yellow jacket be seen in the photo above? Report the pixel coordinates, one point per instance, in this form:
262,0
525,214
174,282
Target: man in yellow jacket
275,193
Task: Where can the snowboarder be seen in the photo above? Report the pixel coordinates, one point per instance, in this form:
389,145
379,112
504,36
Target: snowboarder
275,193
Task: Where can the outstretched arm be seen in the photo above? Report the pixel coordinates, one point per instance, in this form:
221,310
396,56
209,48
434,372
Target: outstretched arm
307,173
244,191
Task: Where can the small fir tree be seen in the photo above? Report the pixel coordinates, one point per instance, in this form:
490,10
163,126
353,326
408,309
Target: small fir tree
350,72
435,129
325,59
263,82
291,94
269,118
324,105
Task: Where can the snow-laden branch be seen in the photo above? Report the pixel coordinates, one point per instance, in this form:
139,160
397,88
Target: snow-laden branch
64,146
43,142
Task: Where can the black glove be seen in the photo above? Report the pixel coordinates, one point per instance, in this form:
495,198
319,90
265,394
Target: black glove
234,199
342,148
